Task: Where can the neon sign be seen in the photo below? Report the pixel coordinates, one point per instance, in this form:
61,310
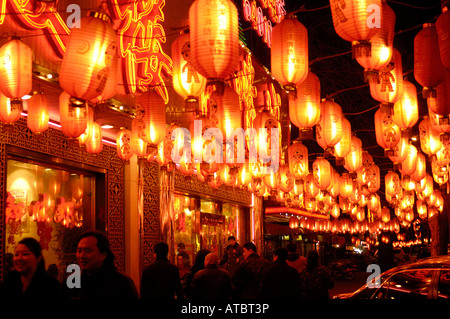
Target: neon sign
140,33
258,20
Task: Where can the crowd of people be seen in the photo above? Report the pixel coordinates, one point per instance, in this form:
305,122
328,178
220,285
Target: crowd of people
241,274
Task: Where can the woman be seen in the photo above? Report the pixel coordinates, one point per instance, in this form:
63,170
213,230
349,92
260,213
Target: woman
315,279
29,279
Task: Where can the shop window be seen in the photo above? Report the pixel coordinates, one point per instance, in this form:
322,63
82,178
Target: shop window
50,204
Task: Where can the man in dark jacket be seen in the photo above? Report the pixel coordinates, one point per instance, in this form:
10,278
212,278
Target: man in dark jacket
280,280
232,255
99,277
211,282
248,275
161,279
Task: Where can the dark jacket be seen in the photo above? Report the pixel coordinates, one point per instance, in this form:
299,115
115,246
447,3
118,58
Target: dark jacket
211,283
231,257
247,277
280,281
41,287
105,284
161,280
296,261
315,283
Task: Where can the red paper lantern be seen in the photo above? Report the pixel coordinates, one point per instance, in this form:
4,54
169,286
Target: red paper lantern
214,34
228,110
286,178
293,222
322,172
387,132
82,139
37,119
441,103
123,144
16,70
298,160
428,67
94,144
304,108
353,160
187,82
430,141
342,148
9,112
90,55
329,128
406,109
151,113
73,118
409,164
442,27
421,167
289,56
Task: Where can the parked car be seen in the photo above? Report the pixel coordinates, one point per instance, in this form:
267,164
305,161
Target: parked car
427,278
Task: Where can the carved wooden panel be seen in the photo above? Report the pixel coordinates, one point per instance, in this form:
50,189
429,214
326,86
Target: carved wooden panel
53,142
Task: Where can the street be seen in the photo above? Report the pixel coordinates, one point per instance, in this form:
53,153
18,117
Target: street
345,286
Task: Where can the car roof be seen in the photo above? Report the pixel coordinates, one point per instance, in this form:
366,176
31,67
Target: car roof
430,262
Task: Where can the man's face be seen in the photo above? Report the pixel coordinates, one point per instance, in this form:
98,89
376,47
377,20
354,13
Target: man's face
88,255
246,252
231,242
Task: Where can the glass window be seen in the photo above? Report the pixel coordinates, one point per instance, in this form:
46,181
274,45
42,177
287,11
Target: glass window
411,284
51,205
444,285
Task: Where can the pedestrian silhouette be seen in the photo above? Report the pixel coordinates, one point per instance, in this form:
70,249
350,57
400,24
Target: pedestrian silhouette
161,279
315,279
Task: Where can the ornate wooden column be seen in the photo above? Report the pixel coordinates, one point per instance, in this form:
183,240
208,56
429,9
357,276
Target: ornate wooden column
166,199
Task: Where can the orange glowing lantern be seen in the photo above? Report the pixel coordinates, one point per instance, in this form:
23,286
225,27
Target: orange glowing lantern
392,184
335,210
440,172
94,144
386,131
9,112
267,139
421,208
151,113
388,86
356,21
16,71
409,164
82,139
293,222
380,44
244,175
443,155
428,67
304,109
310,188
385,214
138,145
329,128
214,34
227,176
123,144
322,172
272,181
289,56
430,142
353,160
421,167
438,123
442,27
342,148
111,87
298,160
334,188
440,104
90,55
228,111
187,167
37,119
73,118
346,185
286,178
187,82
400,151
406,109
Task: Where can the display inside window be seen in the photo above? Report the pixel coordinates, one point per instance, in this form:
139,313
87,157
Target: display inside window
49,204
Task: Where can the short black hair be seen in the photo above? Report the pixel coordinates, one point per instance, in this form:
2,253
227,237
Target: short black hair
161,249
102,244
231,237
249,246
35,247
291,247
281,253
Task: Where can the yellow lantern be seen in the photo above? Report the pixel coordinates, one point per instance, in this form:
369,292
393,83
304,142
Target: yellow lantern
346,185
304,108
386,131
329,128
9,112
322,172
353,160
387,87
94,144
123,144
298,160
187,82
406,109
151,113
16,70
289,56
73,118
214,34
430,142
